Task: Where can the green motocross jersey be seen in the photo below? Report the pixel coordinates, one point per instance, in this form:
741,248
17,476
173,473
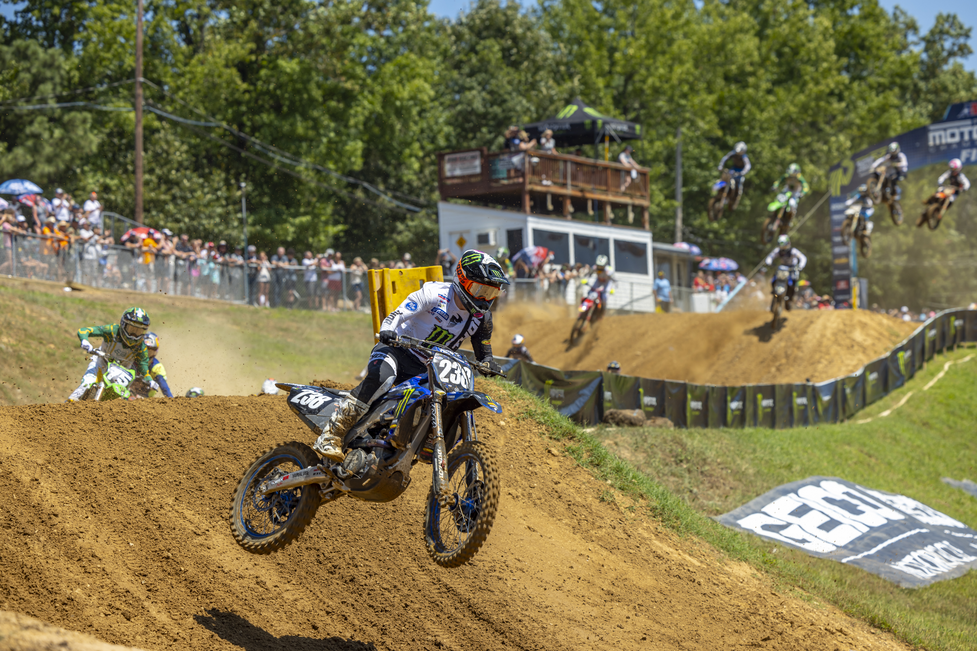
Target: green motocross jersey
134,357
793,183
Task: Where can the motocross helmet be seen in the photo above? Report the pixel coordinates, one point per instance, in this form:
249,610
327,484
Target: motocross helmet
893,147
479,279
862,189
269,388
793,169
614,367
601,263
517,340
502,253
955,165
783,242
195,392
740,147
133,326
152,342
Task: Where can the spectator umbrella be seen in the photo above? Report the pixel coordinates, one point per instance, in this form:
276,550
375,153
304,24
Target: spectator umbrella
691,248
718,264
19,186
578,124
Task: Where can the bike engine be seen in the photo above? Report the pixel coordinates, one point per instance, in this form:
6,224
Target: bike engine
360,464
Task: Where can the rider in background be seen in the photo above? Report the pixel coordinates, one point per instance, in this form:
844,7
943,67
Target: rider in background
739,167
519,350
863,198
614,368
122,343
444,314
602,281
787,255
530,260
156,369
954,177
897,166
793,182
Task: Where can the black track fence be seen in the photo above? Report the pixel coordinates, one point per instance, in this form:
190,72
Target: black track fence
585,396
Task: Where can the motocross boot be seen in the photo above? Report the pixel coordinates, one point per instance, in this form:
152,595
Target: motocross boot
330,441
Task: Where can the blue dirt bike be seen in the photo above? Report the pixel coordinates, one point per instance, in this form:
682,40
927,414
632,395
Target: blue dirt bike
281,491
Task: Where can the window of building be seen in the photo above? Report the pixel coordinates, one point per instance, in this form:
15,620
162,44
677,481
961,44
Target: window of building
558,243
586,249
631,257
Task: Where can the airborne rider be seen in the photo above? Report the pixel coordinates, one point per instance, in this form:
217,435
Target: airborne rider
897,166
792,181
443,313
954,177
739,167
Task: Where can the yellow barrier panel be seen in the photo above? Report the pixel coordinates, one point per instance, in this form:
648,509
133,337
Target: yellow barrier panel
389,288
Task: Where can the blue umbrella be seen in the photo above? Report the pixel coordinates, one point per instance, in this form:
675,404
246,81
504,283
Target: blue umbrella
20,186
718,264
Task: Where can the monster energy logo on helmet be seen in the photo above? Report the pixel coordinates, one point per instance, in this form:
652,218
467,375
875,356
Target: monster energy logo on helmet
473,257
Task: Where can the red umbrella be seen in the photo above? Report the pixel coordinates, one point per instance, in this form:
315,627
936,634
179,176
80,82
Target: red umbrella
142,232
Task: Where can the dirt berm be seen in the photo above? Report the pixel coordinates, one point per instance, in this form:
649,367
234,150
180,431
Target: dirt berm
114,521
730,348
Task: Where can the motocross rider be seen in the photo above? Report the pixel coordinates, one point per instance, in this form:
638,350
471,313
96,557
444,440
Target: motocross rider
787,255
792,181
156,369
602,281
866,205
897,166
445,314
739,166
530,260
519,350
954,177
123,343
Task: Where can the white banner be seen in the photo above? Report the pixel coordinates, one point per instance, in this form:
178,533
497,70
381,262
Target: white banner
466,163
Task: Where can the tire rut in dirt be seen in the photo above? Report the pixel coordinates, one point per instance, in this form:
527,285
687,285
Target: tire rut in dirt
476,504
294,508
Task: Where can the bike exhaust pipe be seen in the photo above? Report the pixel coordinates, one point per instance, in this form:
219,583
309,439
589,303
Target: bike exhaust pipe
304,477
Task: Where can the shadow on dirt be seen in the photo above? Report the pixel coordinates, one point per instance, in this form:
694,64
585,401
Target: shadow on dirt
239,631
764,333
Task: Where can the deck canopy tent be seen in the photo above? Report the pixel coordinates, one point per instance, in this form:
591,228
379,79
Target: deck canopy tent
578,124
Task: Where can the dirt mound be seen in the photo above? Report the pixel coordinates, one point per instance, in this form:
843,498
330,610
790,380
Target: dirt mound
22,633
115,525
727,348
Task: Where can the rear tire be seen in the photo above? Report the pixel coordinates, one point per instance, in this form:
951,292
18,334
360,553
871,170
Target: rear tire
262,525
454,535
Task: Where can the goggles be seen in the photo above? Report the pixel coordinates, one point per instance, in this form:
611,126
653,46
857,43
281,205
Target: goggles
485,292
135,330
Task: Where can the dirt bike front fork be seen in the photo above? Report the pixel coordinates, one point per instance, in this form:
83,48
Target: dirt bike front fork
439,460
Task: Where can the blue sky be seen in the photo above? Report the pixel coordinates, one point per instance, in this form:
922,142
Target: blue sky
923,10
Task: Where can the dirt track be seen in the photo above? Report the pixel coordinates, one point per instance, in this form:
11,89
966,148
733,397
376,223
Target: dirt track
114,521
729,348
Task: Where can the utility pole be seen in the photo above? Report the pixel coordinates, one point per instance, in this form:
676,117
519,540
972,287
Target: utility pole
138,157
244,215
678,185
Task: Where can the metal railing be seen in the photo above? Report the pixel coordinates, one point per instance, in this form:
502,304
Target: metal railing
65,259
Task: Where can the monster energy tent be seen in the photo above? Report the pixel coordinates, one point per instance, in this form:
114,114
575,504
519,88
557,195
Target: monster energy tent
893,536
955,136
578,124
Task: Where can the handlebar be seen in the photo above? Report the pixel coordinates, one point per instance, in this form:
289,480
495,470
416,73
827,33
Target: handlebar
414,343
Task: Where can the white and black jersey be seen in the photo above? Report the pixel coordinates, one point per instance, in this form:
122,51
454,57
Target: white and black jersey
432,314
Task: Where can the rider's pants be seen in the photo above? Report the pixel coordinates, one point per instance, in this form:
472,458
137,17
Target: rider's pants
88,379
388,366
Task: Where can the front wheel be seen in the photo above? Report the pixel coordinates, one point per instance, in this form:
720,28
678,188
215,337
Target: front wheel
716,207
770,227
846,230
866,246
936,216
455,533
265,524
895,211
579,328
777,308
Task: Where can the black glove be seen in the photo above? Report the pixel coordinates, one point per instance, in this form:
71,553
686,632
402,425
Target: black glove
387,337
495,368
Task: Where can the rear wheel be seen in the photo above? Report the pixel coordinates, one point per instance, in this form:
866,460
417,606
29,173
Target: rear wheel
265,524
455,533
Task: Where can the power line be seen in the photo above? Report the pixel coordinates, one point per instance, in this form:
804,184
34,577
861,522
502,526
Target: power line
39,107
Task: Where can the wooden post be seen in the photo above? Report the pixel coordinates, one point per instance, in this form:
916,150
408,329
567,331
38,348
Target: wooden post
567,207
608,215
645,219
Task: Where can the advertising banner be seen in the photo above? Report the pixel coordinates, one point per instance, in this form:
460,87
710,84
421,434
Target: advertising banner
827,401
931,334
512,369
621,392
697,405
717,407
652,395
575,394
875,376
760,405
956,324
955,136
783,400
853,387
893,536
970,325
675,394
897,363
802,405
919,349
736,407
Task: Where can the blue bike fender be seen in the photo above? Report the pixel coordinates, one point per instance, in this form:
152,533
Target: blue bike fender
481,398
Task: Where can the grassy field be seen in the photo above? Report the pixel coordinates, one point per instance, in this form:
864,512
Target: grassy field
224,349
677,476
702,472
